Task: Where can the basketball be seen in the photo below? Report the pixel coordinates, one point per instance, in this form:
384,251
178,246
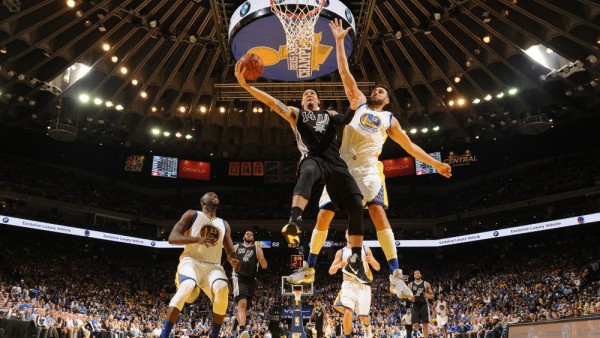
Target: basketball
253,65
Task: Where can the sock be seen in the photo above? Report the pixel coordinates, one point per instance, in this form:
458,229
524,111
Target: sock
296,213
214,330
166,329
242,328
357,251
317,240
388,245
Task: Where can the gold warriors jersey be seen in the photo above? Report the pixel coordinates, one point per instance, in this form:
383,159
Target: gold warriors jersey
366,133
214,229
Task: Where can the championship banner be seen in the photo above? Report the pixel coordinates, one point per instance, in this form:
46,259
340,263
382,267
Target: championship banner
258,169
234,168
246,168
134,163
194,170
403,166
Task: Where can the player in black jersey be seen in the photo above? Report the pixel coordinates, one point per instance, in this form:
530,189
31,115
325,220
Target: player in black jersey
244,282
422,293
315,131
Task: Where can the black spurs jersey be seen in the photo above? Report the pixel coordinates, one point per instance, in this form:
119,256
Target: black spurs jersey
248,261
316,135
419,291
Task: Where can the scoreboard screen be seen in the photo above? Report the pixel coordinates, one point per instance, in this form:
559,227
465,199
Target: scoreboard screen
421,168
297,261
164,166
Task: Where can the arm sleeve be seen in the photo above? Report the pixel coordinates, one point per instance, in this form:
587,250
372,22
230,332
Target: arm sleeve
343,119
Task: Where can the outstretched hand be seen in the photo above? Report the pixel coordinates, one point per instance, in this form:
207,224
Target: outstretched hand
353,96
235,264
444,169
240,70
337,29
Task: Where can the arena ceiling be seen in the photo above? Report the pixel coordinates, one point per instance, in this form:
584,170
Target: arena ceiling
438,56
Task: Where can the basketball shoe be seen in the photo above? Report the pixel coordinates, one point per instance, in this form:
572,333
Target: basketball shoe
291,231
398,285
303,275
356,269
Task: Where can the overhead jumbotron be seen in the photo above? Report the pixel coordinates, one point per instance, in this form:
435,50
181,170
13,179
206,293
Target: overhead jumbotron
291,37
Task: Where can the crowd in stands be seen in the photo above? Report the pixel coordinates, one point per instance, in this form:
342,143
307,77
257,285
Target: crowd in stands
552,176
71,287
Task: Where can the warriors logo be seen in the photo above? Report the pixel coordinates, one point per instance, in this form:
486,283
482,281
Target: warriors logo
370,122
212,233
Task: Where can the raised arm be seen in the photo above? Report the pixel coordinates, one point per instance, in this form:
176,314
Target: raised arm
337,263
369,258
400,137
347,79
261,257
288,113
229,250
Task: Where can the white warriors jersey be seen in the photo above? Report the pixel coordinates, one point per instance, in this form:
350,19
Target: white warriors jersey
202,226
441,308
366,133
347,253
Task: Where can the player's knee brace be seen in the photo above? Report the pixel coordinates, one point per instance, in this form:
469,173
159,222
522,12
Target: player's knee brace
355,215
186,288
306,180
220,290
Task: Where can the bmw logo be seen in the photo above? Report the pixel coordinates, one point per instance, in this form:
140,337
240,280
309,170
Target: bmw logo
397,243
496,233
275,244
245,8
86,233
580,220
327,244
153,243
349,16
5,220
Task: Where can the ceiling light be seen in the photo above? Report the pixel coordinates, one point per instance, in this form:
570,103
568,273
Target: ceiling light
451,103
193,39
123,70
222,110
106,47
102,28
512,91
500,95
202,109
593,83
3,50
457,79
260,110
255,110
21,77
167,133
134,82
114,59
488,97
188,137
84,98
71,3
153,24
182,109
424,130
476,101
32,103
436,128
119,107
144,94
437,16
108,104
413,130
97,101
449,89
461,101
87,23
486,39
549,51
398,35
477,137
178,134
155,131
153,109
505,12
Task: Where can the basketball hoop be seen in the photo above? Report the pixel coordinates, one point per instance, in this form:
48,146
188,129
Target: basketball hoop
297,296
298,18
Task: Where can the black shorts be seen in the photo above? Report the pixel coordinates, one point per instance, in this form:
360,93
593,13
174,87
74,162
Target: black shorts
337,180
244,288
420,313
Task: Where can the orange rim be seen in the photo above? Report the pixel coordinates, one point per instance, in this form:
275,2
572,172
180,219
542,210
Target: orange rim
315,11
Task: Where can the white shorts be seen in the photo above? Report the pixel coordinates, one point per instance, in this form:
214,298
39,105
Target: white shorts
354,296
205,274
368,174
441,321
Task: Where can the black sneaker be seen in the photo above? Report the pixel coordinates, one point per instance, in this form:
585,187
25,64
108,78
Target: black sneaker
291,231
356,269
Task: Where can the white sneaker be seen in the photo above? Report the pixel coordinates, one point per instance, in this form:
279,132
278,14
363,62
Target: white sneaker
303,275
397,285
244,334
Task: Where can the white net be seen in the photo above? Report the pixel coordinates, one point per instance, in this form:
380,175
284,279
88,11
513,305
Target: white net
298,18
